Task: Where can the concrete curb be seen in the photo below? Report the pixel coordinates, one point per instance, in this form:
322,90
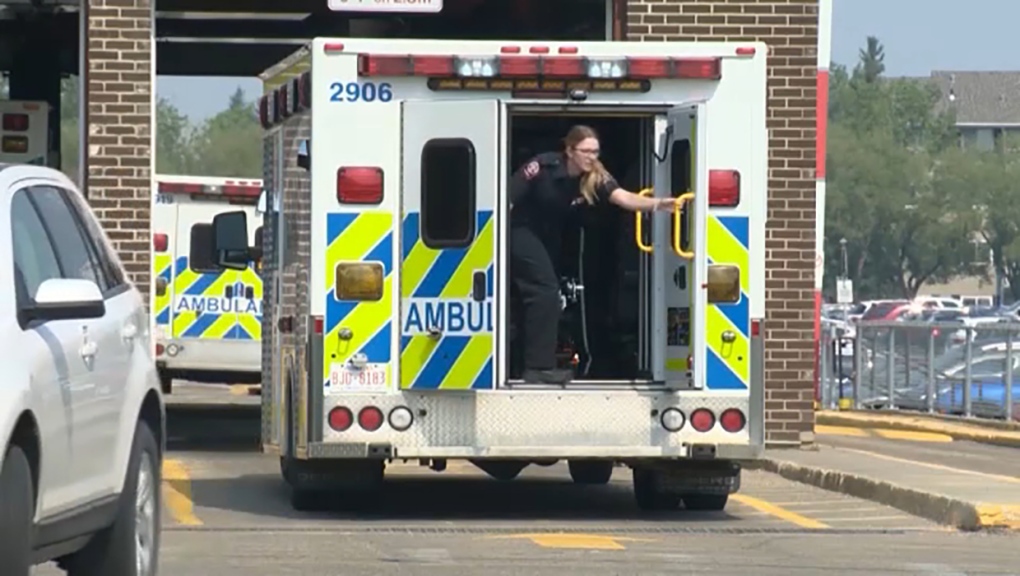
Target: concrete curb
993,436
959,514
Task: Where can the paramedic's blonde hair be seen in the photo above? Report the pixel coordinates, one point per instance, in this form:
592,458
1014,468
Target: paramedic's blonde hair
598,174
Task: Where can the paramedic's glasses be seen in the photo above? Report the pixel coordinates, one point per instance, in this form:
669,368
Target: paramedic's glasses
589,151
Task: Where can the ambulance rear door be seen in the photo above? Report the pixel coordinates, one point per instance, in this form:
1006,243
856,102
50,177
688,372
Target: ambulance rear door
201,291
679,260
452,178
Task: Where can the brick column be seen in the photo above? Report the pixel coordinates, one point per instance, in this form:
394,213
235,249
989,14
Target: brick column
119,126
790,28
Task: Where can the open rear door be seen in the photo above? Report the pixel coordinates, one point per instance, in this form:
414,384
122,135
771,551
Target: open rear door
452,153
679,264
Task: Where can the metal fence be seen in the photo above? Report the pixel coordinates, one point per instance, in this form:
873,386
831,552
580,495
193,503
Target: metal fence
933,367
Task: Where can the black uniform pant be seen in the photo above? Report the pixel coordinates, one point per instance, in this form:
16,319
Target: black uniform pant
534,276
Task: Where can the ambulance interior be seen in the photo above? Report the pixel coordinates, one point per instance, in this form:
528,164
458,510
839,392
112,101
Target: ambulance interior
603,329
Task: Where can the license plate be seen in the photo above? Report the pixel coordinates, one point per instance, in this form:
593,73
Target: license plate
344,377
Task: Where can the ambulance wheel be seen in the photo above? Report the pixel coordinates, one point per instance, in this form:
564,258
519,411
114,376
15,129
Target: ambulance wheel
649,496
590,471
705,502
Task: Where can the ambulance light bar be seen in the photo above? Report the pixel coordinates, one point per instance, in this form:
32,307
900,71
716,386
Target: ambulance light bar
544,66
236,191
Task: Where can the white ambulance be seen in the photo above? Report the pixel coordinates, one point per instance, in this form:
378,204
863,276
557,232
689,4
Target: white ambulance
388,300
207,320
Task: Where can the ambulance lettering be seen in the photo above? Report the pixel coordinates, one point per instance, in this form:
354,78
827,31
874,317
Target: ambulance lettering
220,305
451,317
211,305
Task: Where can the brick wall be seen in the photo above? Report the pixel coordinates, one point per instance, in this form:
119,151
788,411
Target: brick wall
790,28
119,126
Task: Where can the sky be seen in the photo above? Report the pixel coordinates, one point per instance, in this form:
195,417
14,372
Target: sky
919,36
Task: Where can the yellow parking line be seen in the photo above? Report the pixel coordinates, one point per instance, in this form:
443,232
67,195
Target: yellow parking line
999,477
177,493
779,512
999,515
826,430
575,541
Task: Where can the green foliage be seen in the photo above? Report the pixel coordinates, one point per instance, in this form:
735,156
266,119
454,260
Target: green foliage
903,194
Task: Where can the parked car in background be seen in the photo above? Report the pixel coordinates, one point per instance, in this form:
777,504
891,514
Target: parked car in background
81,414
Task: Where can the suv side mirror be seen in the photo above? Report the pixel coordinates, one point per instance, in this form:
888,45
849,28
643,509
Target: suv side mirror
230,240
66,299
304,158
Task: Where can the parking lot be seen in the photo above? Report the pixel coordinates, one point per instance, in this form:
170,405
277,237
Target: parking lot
227,512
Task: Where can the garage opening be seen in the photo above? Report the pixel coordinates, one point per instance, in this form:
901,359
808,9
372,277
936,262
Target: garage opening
604,328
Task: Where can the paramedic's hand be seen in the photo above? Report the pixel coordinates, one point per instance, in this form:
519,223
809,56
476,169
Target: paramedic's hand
665,204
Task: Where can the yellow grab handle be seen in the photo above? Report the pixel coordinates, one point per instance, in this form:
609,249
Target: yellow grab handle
683,199
637,224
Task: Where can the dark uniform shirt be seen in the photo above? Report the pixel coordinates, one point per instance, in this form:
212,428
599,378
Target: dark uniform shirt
543,195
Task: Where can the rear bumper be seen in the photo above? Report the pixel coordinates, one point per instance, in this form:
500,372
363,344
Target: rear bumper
211,355
617,424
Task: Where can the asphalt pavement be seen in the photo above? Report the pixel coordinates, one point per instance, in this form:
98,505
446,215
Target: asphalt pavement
227,513
931,448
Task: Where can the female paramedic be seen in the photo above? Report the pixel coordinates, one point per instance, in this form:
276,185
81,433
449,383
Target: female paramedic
542,193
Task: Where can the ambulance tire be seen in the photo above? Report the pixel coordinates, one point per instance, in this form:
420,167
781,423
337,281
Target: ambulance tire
591,472
647,494
705,502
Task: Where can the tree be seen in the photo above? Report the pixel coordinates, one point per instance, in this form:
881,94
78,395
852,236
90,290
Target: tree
230,143
175,152
902,225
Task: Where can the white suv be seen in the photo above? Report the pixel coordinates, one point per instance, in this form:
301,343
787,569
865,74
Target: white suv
81,414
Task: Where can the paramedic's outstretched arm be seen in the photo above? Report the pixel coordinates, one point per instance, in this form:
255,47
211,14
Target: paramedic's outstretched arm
520,182
610,191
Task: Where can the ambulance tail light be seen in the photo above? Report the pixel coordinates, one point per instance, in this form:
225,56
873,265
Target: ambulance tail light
340,418
702,420
359,185
723,188
732,420
15,122
160,242
370,418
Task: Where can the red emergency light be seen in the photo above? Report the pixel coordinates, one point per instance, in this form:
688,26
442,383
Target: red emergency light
234,191
160,242
15,123
510,64
359,185
723,188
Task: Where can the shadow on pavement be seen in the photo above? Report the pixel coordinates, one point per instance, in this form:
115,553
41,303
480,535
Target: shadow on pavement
213,428
435,496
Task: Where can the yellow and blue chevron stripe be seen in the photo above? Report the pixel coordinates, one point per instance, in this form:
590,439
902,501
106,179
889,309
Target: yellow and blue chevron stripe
220,323
452,361
162,267
727,364
358,237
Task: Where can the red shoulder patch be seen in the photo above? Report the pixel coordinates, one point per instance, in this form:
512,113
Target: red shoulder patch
530,170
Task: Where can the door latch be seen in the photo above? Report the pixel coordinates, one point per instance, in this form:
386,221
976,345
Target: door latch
729,336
